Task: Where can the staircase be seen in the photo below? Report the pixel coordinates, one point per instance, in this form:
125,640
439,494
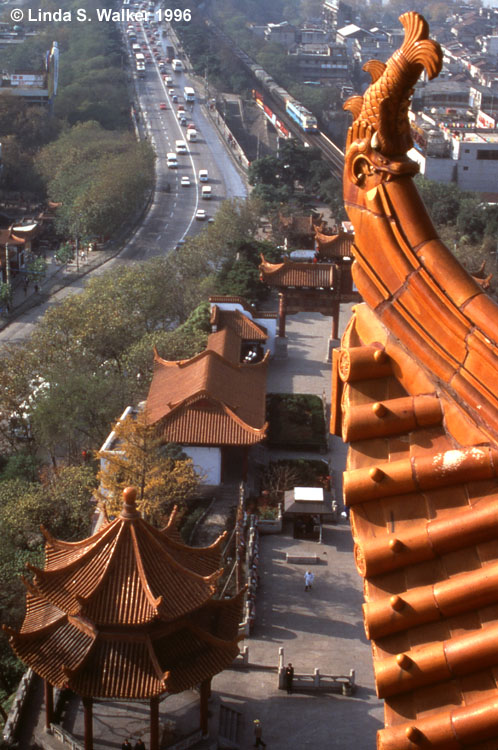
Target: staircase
215,521
230,728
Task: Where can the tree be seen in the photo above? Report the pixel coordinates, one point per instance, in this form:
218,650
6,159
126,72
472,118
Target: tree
441,200
140,459
100,177
62,504
36,268
471,219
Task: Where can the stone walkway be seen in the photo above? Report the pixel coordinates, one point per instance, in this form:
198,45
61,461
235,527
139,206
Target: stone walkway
321,628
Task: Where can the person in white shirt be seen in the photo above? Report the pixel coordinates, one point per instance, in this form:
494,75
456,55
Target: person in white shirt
309,577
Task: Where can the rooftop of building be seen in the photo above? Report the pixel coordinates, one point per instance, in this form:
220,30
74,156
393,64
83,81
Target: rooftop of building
414,393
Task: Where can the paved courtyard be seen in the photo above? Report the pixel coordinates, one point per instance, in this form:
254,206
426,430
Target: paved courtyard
321,628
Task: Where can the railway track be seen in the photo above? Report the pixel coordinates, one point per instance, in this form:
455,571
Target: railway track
331,153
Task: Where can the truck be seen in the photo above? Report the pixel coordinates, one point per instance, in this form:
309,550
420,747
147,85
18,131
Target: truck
170,52
177,65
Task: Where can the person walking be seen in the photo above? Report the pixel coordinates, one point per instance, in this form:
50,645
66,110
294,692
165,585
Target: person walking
289,676
139,745
258,734
126,745
309,577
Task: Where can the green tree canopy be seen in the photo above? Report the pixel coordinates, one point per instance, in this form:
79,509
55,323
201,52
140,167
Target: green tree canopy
139,459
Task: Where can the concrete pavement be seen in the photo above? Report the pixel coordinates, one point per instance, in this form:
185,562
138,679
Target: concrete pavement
321,628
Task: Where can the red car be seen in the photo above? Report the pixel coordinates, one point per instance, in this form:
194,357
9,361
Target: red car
163,105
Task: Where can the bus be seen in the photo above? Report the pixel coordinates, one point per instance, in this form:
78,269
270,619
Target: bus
189,94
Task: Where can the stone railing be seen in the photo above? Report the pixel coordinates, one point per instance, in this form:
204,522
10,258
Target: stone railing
65,738
316,682
13,719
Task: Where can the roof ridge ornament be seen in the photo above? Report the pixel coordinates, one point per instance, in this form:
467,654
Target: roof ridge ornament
129,511
379,137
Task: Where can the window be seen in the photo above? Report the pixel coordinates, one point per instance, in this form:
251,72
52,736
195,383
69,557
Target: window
491,154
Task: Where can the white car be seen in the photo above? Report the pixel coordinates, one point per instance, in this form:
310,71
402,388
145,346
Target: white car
168,80
200,214
185,181
203,175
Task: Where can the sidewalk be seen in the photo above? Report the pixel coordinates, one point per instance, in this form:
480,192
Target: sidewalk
321,628
56,278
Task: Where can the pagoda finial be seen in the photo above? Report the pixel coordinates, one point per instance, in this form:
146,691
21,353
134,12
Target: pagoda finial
129,507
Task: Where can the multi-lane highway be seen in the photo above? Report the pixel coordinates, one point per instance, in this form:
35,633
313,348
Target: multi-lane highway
172,215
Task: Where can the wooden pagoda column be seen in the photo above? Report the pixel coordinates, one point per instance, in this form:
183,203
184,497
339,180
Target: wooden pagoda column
88,722
281,314
205,693
336,308
154,723
49,703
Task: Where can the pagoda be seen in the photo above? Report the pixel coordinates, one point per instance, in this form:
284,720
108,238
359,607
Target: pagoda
129,613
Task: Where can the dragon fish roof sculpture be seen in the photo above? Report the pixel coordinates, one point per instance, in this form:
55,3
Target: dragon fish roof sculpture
383,110
415,394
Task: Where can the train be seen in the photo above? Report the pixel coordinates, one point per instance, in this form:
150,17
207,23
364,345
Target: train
297,111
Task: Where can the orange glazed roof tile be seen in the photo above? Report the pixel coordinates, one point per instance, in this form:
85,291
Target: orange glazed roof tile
209,400
334,246
415,389
128,613
226,343
241,324
290,273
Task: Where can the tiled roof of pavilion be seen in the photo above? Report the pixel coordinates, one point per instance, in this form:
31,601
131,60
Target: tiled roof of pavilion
297,274
128,612
209,400
335,245
8,238
242,324
415,394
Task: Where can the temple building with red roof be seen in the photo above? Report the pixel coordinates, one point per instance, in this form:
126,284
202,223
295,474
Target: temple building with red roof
131,614
214,404
310,287
414,392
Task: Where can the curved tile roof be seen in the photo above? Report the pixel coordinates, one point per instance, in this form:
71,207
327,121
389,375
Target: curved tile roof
290,273
209,400
239,323
334,246
415,393
128,613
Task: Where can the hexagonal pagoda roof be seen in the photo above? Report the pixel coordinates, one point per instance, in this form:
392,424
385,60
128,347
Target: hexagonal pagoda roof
128,613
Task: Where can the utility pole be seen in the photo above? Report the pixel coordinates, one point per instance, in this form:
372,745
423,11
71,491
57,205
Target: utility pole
7,264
